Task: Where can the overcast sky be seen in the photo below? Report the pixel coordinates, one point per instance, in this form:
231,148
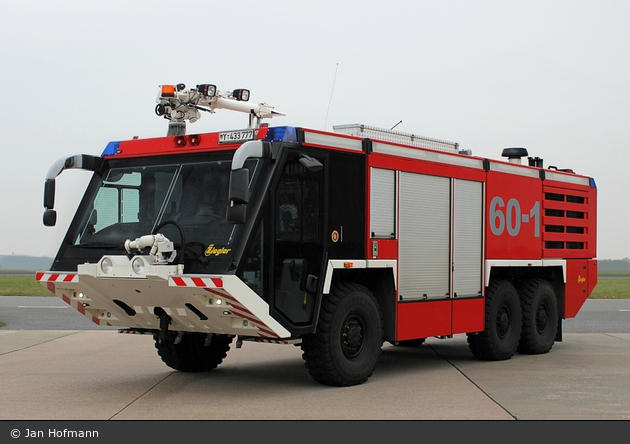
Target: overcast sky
550,76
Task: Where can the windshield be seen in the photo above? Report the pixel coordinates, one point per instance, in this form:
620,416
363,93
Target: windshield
133,201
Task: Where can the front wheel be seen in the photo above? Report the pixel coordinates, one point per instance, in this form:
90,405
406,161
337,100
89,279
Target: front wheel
347,344
502,328
192,352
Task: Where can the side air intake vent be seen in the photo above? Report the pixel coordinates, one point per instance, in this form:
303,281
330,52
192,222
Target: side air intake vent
566,222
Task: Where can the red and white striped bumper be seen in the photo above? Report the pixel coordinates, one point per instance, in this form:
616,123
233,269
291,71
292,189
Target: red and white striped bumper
200,303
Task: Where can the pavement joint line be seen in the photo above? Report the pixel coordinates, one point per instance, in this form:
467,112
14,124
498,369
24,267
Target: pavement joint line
140,396
70,333
473,382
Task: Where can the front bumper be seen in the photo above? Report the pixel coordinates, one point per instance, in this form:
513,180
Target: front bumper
220,304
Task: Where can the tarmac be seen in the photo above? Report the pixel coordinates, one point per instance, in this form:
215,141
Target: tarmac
97,375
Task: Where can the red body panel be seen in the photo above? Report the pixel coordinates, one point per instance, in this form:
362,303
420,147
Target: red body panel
385,249
423,319
178,144
468,315
513,219
581,280
521,222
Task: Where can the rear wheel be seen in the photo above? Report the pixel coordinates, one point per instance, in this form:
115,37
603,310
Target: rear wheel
347,344
196,352
540,317
503,319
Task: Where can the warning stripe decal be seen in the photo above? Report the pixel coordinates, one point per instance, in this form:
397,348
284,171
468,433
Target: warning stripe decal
197,282
271,341
54,277
215,286
51,280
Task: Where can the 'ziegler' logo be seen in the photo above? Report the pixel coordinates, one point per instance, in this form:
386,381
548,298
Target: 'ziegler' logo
212,250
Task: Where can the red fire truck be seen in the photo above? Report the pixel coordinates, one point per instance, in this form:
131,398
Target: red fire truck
331,241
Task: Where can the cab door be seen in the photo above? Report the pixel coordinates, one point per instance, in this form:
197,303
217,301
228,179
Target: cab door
298,249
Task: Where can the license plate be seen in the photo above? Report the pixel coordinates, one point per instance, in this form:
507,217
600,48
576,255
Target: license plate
236,136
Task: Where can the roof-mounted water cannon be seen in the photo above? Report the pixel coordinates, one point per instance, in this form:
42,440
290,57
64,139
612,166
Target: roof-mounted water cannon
178,105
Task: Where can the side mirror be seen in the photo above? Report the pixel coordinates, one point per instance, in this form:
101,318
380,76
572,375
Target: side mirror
239,186
310,163
50,217
236,214
49,193
238,195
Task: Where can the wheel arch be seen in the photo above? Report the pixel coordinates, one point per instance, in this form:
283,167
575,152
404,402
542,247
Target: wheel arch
380,279
517,272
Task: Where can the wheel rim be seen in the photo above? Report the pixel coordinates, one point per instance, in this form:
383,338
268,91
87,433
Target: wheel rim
352,337
503,322
541,318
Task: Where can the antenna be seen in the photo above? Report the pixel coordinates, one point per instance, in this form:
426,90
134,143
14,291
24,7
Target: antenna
395,125
331,94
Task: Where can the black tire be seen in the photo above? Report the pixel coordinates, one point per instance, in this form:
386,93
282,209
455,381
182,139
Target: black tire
540,317
503,323
347,344
191,355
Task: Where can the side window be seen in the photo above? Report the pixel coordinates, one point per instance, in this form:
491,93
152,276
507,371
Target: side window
297,210
118,201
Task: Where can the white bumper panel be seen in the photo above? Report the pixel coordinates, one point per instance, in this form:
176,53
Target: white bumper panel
200,303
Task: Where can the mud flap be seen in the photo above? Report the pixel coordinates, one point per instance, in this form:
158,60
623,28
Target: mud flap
165,320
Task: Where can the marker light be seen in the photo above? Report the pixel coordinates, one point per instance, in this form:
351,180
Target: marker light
194,139
241,94
168,91
179,141
107,265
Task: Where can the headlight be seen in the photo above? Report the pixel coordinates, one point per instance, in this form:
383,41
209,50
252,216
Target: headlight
138,265
107,265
